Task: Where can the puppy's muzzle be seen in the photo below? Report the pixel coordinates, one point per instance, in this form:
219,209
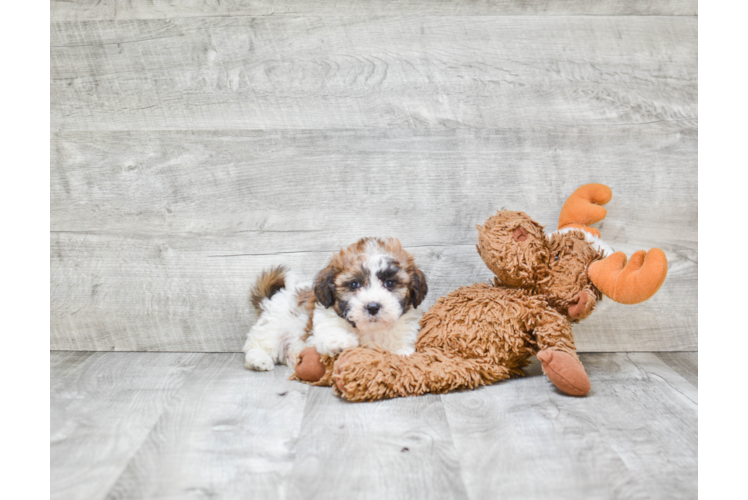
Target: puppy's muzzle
373,308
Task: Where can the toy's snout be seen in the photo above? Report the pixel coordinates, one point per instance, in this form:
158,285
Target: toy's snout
519,234
581,305
578,304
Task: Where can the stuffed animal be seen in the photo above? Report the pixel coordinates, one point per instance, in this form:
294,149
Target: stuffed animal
484,333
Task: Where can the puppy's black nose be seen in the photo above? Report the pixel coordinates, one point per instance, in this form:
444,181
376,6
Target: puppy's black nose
373,308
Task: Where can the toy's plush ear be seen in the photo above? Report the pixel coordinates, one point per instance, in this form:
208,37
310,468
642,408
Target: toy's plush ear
632,282
418,288
324,286
519,234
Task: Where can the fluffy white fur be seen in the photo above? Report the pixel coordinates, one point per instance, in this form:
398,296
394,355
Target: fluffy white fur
375,292
332,334
276,337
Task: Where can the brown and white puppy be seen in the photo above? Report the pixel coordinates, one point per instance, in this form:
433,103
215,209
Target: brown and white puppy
367,296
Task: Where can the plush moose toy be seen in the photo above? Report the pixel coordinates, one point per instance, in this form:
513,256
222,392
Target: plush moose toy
484,333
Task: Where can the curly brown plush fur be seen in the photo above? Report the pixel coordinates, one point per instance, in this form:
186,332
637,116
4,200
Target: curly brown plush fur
481,334
484,333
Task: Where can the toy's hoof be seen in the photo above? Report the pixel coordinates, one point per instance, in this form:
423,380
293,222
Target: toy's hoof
310,367
566,372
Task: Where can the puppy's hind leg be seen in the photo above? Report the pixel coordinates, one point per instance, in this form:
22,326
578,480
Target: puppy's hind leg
259,346
262,338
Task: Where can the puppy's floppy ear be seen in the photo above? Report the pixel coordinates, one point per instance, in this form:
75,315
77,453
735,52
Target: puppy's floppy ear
418,287
324,287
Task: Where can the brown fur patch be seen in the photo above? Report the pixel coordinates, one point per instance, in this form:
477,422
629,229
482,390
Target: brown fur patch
515,263
306,301
566,276
484,333
554,266
331,284
270,282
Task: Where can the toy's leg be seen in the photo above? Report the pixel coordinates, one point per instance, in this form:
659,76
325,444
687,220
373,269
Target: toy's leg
558,355
553,331
313,368
371,374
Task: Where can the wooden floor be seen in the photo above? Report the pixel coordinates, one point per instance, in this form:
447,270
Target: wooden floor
198,425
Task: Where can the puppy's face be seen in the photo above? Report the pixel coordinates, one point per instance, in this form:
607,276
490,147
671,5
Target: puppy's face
371,284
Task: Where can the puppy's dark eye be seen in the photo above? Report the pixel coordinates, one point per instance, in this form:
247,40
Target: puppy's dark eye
389,283
354,285
556,257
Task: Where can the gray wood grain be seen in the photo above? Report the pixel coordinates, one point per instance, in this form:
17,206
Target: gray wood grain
634,436
166,425
396,449
291,191
686,364
229,434
80,10
310,72
195,143
655,367
191,294
157,236
102,408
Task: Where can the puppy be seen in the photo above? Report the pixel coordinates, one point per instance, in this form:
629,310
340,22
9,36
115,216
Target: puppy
367,296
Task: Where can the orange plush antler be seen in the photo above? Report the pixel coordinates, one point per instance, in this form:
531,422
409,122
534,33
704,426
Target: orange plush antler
633,282
583,208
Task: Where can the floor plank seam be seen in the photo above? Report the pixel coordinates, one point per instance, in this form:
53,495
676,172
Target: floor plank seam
650,375
156,421
454,446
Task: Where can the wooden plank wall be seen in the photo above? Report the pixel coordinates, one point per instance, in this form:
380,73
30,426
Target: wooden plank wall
195,144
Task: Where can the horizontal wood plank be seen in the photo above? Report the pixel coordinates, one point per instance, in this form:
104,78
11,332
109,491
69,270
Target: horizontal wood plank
368,72
288,191
191,294
158,236
80,10
461,112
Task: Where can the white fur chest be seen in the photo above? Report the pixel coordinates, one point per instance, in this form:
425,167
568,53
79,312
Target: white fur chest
332,334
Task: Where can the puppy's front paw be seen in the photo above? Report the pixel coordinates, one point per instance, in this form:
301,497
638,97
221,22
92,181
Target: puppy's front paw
405,351
334,345
258,360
